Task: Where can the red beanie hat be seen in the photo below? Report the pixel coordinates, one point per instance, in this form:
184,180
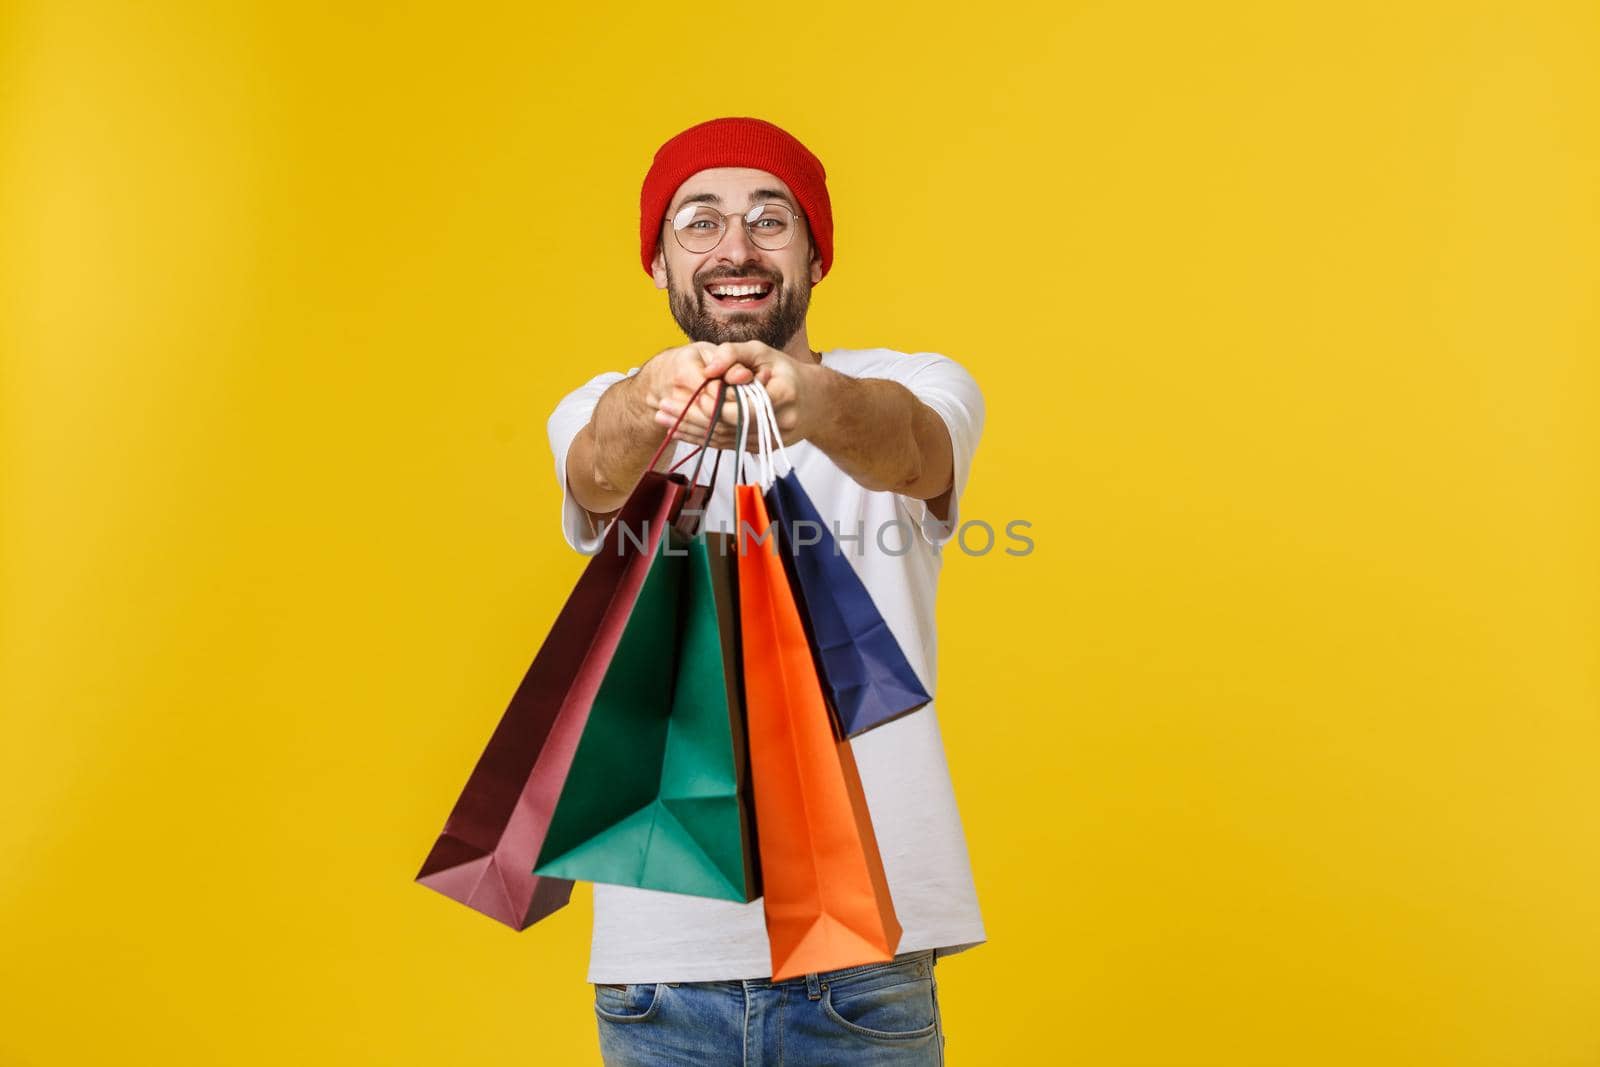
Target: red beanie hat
736,142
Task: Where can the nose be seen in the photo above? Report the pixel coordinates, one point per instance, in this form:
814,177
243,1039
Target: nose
736,246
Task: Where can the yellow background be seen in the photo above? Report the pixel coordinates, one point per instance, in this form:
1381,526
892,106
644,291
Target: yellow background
1280,749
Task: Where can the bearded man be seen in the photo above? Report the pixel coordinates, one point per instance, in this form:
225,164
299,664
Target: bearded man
737,227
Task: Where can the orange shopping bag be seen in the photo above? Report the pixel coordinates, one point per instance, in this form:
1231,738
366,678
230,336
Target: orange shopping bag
826,898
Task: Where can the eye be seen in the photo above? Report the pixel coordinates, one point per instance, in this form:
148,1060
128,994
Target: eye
771,217
695,217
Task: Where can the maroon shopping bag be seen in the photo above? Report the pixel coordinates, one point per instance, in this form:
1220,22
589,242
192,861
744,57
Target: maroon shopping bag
486,854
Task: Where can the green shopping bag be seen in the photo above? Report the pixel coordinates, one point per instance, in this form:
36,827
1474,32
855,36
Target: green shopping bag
658,796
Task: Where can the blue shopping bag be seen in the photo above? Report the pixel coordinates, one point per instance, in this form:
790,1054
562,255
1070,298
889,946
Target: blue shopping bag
866,679
865,675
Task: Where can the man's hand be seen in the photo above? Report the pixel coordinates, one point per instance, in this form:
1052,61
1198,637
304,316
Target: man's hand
609,455
666,383
875,430
785,379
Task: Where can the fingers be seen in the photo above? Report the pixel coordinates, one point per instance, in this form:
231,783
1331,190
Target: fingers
688,407
724,357
700,418
693,431
703,409
690,423
721,439
737,362
729,415
696,405
693,423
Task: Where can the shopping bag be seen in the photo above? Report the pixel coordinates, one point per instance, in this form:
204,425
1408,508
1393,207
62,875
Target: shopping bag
658,794
484,858
865,674
827,902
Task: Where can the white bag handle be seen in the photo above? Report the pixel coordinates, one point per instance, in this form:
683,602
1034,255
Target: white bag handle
744,434
757,395
777,437
755,406
767,424
754,415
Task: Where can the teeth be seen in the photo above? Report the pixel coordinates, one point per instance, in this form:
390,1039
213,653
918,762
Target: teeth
737,290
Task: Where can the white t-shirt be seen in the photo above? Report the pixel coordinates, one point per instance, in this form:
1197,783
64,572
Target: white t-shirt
643,935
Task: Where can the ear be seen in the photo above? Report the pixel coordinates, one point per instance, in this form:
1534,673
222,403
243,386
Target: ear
816,265
658,267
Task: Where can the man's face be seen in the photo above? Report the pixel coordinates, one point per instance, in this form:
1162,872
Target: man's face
772,317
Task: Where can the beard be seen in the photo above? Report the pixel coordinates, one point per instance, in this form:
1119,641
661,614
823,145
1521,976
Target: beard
775,325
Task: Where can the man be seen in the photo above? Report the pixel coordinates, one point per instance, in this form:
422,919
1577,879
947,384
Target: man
736,225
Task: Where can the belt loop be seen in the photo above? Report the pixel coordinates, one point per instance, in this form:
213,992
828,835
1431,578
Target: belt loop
813,987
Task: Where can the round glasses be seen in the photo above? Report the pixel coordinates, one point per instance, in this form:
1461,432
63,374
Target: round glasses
700,227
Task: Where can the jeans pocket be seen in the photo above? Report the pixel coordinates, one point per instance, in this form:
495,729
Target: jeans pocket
892,1011
631,1004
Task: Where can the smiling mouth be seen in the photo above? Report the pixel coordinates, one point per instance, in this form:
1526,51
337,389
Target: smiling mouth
740,296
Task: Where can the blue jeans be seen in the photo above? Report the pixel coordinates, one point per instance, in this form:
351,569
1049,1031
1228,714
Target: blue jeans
878,1014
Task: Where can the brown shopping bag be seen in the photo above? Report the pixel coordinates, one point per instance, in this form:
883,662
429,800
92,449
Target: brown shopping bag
485,856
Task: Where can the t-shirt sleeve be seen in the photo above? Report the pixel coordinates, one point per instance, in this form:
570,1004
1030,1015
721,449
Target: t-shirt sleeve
946,387
571,415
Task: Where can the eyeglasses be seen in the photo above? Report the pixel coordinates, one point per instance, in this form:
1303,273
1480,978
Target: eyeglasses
700,227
